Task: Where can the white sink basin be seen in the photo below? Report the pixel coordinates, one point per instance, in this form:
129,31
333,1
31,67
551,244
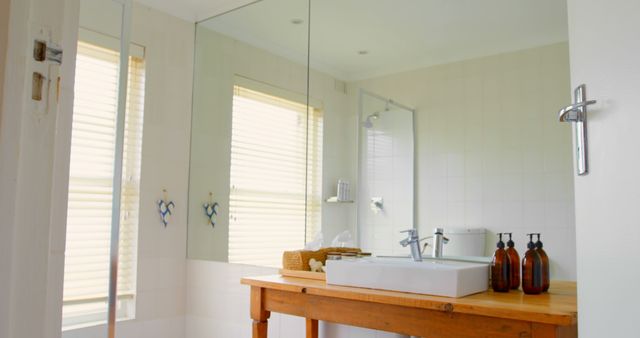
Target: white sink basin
432,277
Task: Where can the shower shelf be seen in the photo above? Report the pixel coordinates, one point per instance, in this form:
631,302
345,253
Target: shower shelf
334,199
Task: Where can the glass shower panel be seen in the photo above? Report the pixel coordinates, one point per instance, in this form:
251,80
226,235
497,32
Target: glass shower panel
94,294
385,203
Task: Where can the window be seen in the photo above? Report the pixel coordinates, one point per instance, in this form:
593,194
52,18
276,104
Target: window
86,273
276,175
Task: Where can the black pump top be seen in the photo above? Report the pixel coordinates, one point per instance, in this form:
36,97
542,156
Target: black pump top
530,245
510,243
500,243
538,243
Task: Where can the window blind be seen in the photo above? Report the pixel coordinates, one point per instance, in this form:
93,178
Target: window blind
276,177
86,273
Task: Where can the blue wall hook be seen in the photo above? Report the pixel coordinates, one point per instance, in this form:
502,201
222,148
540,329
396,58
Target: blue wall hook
211,210
165,208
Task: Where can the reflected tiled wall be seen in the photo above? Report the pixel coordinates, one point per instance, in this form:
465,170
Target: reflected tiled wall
490,151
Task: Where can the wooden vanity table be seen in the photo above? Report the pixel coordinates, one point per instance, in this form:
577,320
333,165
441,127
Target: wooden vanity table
487,315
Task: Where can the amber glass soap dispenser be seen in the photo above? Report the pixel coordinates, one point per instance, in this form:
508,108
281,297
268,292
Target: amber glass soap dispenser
546,282
531,269
500,268
514,263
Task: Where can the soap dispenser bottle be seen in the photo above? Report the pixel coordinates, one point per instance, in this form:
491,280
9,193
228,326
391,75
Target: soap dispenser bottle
500,268
531,269
514,262
545,265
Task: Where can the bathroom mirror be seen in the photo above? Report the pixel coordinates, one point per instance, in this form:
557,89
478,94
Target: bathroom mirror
437,114
484,80
248,177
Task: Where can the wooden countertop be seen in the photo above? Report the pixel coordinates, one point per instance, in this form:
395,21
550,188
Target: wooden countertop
558,306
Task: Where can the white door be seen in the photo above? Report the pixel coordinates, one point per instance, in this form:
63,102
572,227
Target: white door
604,39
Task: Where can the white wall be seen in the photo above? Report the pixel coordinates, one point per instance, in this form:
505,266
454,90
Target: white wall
4,279
161,292
605,49
489,150
4,34
30,255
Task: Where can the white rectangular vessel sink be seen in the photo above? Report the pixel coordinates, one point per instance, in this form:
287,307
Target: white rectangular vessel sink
431,277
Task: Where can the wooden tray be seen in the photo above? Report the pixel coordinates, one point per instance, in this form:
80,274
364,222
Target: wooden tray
303,274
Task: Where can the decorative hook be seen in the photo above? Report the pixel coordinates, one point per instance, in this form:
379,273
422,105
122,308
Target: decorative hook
165,208
211,210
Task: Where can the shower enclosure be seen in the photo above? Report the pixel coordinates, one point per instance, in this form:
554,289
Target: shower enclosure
386,173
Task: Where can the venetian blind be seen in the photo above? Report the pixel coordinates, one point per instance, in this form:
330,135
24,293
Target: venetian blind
86,273
276,175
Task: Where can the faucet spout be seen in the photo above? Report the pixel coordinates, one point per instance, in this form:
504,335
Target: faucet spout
438,242
413,241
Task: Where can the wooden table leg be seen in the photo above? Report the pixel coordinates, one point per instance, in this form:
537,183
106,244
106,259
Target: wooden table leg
259,315
312,328
551,331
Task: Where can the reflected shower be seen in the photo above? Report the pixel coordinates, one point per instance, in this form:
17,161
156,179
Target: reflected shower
368,122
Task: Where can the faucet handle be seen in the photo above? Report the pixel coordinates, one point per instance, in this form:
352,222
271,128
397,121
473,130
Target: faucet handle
440,231
411,232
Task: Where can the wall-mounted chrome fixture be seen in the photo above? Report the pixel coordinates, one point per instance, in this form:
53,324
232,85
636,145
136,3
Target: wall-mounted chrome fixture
577,114
376,204
43,52
368,122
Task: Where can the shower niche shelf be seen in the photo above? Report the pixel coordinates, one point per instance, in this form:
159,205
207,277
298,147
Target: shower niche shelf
334,199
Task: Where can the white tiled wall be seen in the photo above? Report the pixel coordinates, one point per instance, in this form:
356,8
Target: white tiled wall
490,151
218,306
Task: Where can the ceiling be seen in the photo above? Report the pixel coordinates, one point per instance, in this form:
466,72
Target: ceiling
401,35
397,35
194,10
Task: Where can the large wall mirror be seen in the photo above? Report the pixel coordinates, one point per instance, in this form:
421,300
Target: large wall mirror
249,135
438,114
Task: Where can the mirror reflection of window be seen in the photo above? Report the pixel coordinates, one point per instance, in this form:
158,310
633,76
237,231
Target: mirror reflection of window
276,176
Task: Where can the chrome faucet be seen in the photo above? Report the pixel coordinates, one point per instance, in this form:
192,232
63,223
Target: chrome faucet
438,242
413,241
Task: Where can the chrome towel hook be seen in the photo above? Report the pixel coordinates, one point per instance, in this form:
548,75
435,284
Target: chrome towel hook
577,114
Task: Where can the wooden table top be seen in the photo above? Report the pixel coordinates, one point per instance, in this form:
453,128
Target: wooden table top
558,306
